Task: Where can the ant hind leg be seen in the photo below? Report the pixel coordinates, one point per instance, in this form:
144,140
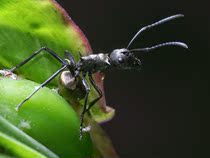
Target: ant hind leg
56,56
97,90
87,89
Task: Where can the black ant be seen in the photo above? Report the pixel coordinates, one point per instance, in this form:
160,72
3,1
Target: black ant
87,65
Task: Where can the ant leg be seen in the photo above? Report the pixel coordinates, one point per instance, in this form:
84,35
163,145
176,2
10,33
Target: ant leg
97,89
72,62
41,86
34,54
70,57
87,89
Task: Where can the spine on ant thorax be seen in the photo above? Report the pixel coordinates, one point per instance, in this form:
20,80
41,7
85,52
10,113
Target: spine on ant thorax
93,63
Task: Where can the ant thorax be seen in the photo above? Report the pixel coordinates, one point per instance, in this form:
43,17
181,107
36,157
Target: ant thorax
94,62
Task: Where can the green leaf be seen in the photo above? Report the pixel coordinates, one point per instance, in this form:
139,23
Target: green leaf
46,117
28,25
11,130
101,140
5,156
17,148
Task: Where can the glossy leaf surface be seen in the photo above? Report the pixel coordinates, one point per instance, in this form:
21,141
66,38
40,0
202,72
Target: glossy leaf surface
46,117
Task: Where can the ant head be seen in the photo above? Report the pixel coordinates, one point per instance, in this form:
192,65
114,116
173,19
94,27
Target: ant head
124,59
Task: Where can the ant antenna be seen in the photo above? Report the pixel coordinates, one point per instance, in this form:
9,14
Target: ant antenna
153,25
147,49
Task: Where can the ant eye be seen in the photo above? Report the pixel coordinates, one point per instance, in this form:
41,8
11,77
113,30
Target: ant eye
120,60
126,53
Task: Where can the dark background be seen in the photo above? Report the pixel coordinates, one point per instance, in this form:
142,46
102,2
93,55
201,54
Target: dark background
159,109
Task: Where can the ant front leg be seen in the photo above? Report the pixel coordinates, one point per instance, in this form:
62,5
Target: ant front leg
87,89
41,86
